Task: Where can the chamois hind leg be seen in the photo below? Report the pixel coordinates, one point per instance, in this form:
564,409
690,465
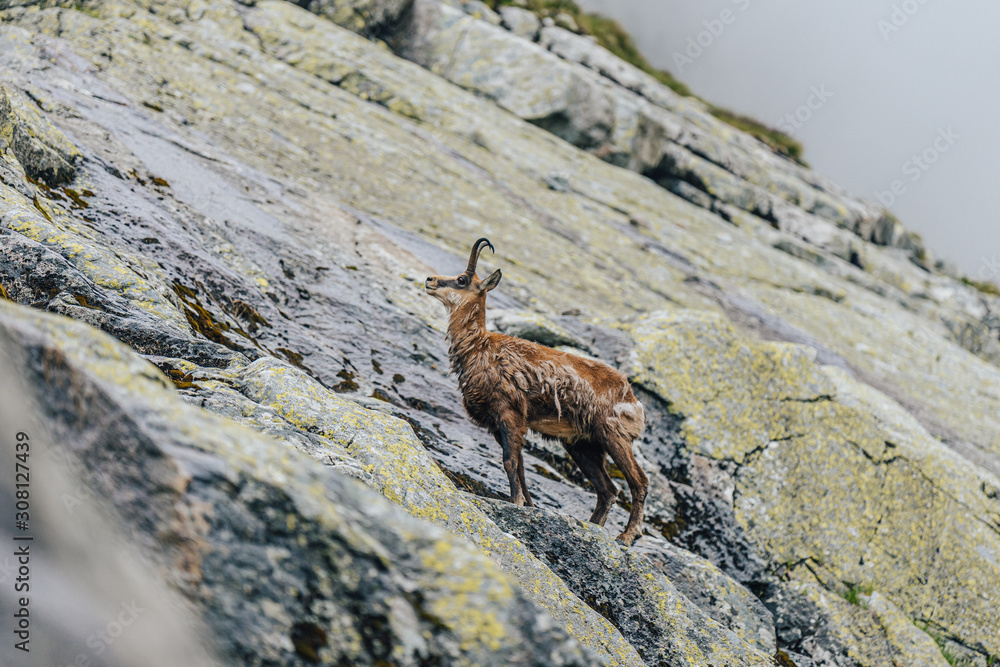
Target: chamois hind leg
590,459
620,451
510,435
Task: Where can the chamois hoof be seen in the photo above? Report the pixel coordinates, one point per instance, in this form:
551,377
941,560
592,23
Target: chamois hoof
627,540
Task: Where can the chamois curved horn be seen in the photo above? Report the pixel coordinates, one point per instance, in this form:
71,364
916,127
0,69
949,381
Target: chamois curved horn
477,247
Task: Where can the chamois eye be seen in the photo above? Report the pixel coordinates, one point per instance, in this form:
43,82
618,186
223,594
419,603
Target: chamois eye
462,281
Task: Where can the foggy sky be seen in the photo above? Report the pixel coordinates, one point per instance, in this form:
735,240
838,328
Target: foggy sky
893,93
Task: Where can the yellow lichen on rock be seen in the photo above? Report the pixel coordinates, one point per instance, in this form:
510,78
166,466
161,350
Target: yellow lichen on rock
479,626
403,472
737,394
825,470
108,269
43,150
831,470
912,645
898,348
461,590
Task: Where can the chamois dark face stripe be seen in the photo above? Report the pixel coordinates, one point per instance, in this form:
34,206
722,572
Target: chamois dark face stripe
441,282
510,385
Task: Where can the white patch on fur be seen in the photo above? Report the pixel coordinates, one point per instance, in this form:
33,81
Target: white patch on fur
630,408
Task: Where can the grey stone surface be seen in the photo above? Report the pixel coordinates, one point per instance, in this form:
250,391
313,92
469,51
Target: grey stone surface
720,597
259,194
533,327
235,521
598,102
522,22
371,18
626,588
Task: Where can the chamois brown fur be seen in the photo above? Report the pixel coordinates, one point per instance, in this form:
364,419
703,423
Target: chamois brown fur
510,385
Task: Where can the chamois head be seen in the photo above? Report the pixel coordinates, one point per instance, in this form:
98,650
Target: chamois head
454,291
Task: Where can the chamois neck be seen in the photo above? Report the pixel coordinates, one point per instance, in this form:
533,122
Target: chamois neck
468,319
466,331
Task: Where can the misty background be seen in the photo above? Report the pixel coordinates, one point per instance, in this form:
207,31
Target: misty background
896,75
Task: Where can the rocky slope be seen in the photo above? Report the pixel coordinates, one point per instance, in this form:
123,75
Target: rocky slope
248,195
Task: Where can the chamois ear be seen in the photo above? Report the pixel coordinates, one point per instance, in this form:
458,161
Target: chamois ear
491,282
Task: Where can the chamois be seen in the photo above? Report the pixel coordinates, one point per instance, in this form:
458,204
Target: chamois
510,385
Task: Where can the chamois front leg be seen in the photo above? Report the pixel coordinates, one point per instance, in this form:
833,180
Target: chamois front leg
520,478
510,435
